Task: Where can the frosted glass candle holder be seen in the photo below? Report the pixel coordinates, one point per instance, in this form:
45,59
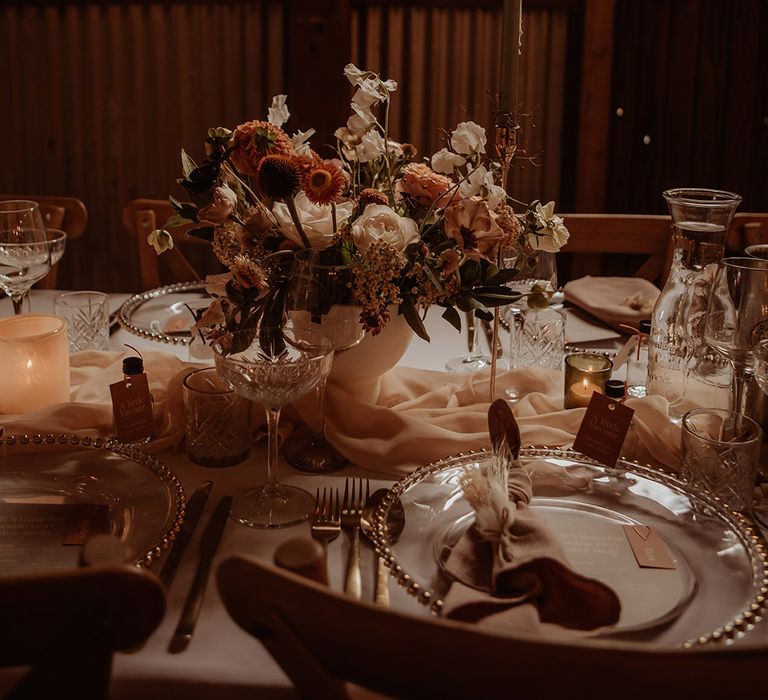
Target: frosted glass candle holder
34,362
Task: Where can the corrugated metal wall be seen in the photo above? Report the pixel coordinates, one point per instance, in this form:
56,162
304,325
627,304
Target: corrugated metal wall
446,63
99,98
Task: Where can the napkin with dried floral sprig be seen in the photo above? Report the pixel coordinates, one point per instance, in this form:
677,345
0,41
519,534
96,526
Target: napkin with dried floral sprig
509,571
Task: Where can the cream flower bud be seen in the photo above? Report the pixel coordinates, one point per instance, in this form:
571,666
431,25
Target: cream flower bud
160,240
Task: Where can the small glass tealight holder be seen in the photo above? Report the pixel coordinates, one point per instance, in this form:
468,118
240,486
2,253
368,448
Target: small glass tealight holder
585,373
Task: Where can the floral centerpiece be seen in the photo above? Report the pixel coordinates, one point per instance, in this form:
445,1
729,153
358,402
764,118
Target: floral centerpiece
418,232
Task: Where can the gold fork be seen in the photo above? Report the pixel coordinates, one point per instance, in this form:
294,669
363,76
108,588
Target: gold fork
326,520
351,512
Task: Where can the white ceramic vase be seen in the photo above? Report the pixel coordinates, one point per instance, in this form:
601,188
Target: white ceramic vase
360,368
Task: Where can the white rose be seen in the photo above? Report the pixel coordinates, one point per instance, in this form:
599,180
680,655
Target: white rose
382,223
278,112
160,240
550,234
468,138
316,220
444,161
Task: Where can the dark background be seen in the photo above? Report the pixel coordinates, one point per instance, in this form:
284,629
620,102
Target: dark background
621,98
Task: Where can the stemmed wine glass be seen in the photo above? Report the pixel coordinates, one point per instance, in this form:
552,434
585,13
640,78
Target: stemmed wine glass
475,358
273,368
321,300
25,255
737,318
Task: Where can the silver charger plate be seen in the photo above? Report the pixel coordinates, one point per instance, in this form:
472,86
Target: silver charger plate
144,498
163,314
716,593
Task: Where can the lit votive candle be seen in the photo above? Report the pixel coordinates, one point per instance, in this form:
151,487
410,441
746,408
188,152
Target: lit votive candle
585,373
34,363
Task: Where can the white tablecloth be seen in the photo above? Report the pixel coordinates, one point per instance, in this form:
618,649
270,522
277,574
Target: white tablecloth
222,661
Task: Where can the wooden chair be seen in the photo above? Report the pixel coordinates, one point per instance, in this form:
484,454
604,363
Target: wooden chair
65,213
324,640
66,626
644,243
747,229
140,218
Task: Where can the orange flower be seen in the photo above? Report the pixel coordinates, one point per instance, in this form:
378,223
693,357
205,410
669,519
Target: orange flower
323,184
256,139
371,196
424,185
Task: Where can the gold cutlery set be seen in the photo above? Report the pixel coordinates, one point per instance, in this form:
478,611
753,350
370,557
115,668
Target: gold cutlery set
353,513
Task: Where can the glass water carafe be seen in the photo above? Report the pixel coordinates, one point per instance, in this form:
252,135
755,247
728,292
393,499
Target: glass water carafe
681,366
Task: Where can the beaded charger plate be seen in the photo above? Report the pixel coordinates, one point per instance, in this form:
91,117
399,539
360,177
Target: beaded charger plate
164,314
716,592
141,501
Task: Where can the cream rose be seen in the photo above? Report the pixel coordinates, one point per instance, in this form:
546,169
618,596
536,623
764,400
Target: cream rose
381,223
316,220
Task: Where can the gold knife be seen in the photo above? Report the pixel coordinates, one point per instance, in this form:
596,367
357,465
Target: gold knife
195,507
208,545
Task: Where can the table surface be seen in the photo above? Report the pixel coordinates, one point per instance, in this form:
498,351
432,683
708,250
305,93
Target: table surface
221,658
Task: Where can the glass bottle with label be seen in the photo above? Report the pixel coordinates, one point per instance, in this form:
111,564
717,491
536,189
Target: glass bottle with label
132,404
637,363
681,366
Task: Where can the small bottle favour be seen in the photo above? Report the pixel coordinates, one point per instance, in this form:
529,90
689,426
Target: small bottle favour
132,404
615,389
637,364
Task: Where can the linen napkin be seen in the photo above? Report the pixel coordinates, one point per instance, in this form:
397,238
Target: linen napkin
614,300
510,573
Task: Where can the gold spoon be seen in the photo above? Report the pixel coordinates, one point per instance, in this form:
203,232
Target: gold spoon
395,525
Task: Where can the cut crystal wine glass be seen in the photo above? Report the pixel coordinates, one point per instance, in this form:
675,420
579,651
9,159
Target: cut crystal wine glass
268,366
25,255
321,300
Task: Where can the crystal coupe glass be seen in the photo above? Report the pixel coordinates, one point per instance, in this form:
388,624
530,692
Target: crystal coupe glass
270,367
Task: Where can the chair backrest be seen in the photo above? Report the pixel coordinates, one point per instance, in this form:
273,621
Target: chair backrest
747,229
140,218
597,240
66,625
65,213
322,638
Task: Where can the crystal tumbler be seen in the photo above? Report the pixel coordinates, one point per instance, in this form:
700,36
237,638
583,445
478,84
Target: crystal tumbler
218,426
87,317
720,454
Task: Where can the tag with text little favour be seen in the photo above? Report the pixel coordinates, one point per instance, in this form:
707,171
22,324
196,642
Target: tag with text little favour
603,430
648,547
624,352
132,408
